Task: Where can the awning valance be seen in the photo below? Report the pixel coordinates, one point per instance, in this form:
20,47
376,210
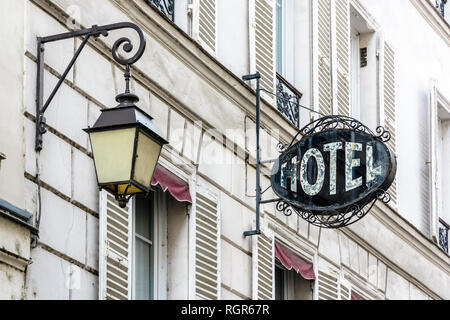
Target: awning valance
290,260
356,296
177,187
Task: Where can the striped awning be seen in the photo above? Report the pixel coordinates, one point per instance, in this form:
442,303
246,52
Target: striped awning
178,188
290,260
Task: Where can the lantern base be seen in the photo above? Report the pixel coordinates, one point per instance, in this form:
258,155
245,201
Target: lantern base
123,201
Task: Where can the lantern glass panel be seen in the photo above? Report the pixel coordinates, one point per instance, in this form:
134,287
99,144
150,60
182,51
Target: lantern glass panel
147,155
113,154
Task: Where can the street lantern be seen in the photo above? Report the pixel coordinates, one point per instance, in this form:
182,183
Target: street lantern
126,148
125,143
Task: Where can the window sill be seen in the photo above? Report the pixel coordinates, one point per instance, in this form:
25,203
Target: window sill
15,214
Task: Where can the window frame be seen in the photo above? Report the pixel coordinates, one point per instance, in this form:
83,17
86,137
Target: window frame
287,39
288,285
438,104
355,75
289,276
159,254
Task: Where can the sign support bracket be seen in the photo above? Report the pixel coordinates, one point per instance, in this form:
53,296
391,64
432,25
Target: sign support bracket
257,76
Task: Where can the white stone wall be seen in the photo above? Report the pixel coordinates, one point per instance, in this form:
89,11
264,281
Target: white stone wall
183,88
15,238
14,258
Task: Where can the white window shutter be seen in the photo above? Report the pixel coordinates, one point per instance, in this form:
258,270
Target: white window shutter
204,24
262,42
115,245
327,284
387,102
433,183
331,285
263,260
345,289
342,56
324,56
207,245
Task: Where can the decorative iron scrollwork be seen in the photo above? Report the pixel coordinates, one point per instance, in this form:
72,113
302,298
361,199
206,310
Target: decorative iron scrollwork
127,46
443,237
340,122
440,5
165,6
281,147
336,219
288,101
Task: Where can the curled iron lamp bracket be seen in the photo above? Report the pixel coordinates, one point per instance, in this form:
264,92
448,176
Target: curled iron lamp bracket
95,31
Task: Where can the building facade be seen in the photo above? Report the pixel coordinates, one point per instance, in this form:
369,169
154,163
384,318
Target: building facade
384,63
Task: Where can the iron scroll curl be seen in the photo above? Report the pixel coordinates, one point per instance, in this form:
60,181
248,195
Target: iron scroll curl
124,42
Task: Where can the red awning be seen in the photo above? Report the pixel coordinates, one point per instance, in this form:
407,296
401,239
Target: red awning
289,259
356,296
177,187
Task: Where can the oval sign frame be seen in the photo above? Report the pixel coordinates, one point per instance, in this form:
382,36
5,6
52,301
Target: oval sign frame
323,208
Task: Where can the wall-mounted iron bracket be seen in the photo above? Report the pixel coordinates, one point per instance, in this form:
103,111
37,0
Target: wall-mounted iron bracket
95,31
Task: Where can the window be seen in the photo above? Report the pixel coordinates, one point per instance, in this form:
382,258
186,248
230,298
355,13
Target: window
279,36
136,242
439,169
149,229
288,97
443,159
144,248
285,38
293,275
355,65
363,69
291,286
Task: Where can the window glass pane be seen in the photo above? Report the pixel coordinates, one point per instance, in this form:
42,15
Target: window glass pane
279,283
144,213
143,270
279,36
143,248
355,77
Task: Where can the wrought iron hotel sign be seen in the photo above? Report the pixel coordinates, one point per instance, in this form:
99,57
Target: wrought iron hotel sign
333,175
336,170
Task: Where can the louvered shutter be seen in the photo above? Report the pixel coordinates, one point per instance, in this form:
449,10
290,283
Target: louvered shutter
262,42
205,24
263,260
342,12
327,284
207,245
345,289
115,259
332,286
387,102
324,56
433,170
